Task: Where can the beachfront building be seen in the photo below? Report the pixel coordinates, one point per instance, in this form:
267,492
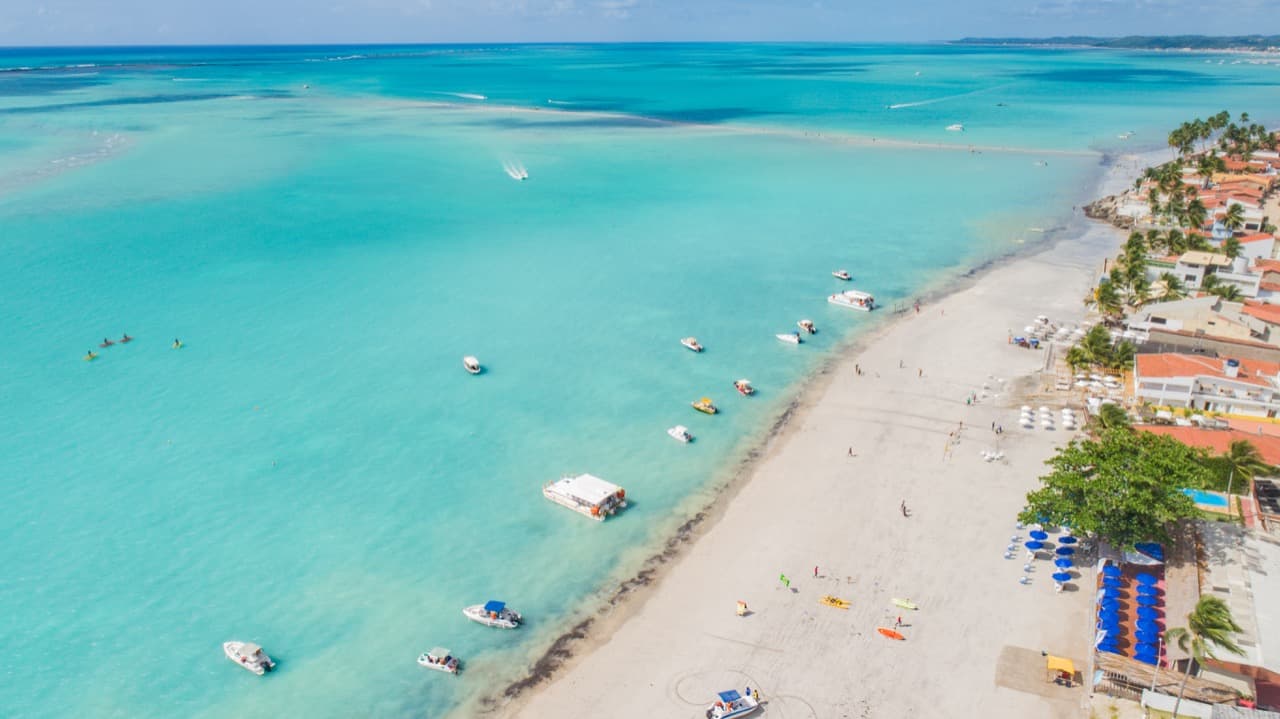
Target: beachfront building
1228,386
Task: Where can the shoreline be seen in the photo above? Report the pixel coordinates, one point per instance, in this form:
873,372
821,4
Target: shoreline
620,602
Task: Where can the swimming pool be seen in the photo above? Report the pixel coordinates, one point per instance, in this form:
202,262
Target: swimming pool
1211,499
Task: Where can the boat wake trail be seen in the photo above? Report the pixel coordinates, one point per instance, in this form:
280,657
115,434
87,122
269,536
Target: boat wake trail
515,170
464,95
900,105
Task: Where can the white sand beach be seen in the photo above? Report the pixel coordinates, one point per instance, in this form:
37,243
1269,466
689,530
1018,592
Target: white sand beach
807,503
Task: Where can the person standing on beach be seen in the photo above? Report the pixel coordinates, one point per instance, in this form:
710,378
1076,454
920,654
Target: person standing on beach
897,622
815,572
919,371
904,507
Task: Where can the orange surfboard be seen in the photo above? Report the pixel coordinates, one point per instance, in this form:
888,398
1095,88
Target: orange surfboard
890,633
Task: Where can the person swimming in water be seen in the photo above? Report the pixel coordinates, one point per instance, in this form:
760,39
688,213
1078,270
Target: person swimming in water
177,343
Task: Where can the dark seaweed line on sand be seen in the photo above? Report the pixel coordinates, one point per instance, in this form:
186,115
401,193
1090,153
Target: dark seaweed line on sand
562,649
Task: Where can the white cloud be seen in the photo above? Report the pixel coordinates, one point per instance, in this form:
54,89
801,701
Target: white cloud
617,9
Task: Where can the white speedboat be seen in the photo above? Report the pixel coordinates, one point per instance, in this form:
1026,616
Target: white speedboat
842,275
680,433
249,655
471,364
957,127
789,337
731,704
691,343
744,387
493,614
808,326
439,659
854,300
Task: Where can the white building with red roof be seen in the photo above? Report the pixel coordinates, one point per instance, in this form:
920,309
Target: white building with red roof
1241,387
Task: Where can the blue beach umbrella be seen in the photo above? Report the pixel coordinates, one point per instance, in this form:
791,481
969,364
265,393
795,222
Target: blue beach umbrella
1111,582
1039,534
1151,589
1065,551
1148,613
1063,562
1068,539
1148,625
1061,577
1151,549
1147,600
1111,570
1145,578
1033,545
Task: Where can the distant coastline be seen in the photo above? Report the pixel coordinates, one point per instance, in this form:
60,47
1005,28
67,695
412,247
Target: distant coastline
1184,43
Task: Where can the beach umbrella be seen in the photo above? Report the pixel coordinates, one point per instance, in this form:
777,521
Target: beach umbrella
1147,600
1061,576
1151,589
1151,549
1063,562
1148,625
1066,551
1108,609
1033,545
1111,570
1111,583
1148,638
1068,539
1145,578
1148,613
1040,534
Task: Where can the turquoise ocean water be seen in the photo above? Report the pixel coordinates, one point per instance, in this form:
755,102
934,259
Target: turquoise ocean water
329,230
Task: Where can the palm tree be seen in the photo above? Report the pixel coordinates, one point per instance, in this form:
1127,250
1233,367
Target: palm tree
1113,416
1231,247
1234,219
1108,299
1121,356
1174,289
1077,358
1209,627
1230,293
1196,214
1242,458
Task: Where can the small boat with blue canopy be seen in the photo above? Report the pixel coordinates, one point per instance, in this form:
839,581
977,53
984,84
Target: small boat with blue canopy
493,614
731,704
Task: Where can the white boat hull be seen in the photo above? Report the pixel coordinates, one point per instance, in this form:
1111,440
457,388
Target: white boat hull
745,706
789,339
679,434
259,664
506,620
862,304
450,668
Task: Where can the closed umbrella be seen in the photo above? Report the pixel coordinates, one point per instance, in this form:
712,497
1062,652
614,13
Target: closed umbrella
1061,576
1033,544
1146,578
1068,539
1111,570
1063,562
1065,551
1039,534
1147,600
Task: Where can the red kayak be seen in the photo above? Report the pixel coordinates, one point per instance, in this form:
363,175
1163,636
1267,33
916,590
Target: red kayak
106,343
126,338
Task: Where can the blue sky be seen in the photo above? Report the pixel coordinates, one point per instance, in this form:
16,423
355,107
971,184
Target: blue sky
79,22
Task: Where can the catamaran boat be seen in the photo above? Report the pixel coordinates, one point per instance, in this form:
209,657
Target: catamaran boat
808,326
731,704
680,433
957,127
587,495
471,364
789,337
842,275
854,300
744,387
691,343
493,614
704,406
249,655
439,659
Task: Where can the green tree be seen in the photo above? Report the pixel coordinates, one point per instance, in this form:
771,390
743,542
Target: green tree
1231,247
1123,486
1121,356
1113,416
1243,460
1210,627
1172,288
1077,358
1196,214
1108,299
1234,218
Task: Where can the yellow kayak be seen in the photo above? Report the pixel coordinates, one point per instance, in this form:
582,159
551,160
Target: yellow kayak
836,602
91,357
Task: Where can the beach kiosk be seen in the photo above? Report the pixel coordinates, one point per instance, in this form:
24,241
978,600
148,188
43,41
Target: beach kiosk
587,495
1059,670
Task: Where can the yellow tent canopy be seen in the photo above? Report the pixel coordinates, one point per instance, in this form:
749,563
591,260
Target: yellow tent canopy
1060,664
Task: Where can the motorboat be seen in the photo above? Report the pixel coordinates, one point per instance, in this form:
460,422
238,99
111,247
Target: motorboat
731,704
691,343
854,300
957,127
471,364
808,326
704,405
249,655
680,433
587,495
789,337
842,275
493,614
439,659
744,387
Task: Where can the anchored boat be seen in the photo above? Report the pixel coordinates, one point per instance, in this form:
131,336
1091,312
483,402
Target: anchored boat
791,338
249,655
854,300
587,495
691,343
493,614
842,275
680,433
744,387
731,704
808,326
471,364
439,659
704,406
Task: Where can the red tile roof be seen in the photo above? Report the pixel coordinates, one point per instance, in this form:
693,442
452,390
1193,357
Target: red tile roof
1256,237
1217,441
1177,365
1265,312
1267,265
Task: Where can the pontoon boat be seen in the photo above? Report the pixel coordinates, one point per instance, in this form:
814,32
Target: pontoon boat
587,495
854,299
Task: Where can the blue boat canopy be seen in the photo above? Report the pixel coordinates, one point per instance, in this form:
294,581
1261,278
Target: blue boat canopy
494,605
730,696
